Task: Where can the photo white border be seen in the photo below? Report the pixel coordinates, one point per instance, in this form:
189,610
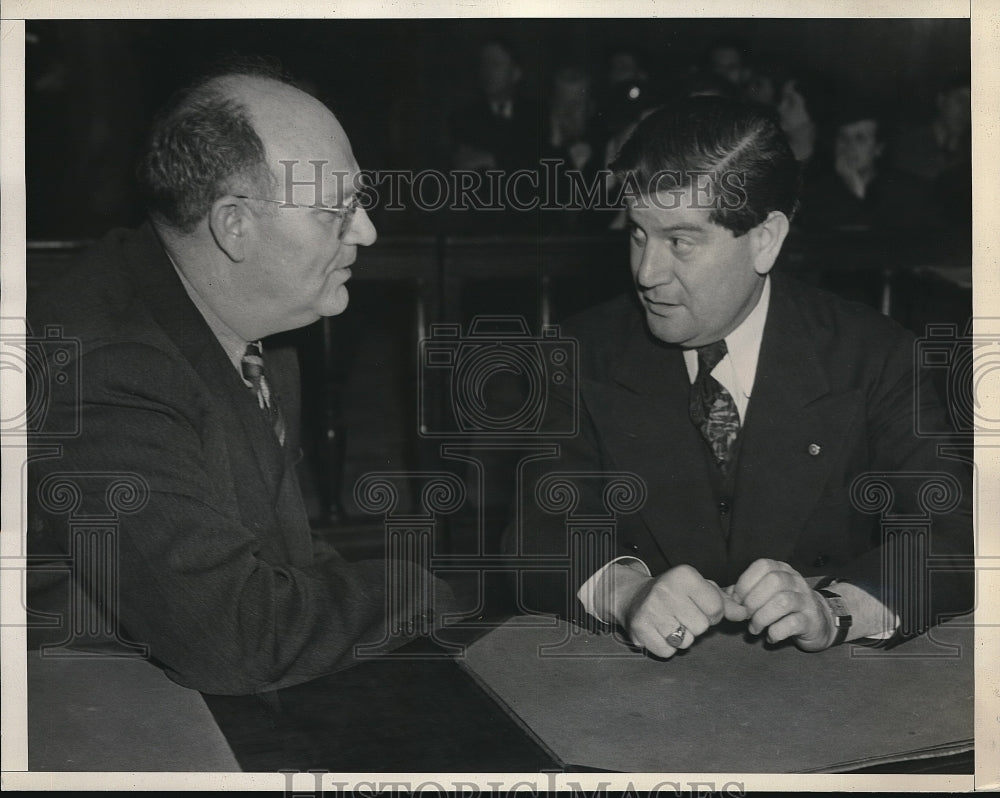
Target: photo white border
985,18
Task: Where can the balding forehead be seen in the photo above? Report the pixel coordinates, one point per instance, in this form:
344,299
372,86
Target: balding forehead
292,124
278,104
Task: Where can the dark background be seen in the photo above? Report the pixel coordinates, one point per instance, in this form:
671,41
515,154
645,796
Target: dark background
92,86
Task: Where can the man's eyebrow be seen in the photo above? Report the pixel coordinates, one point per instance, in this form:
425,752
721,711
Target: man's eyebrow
683,227
678,227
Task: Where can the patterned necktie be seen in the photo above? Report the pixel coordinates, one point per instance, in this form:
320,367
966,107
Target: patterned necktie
252,366
713,410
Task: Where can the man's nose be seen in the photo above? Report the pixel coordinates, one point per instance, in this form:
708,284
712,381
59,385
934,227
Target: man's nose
362,232
655,268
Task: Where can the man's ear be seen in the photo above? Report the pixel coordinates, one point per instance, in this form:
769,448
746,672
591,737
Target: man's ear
767,239
230,222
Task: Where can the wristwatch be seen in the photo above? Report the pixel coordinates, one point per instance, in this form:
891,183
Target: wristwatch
841,617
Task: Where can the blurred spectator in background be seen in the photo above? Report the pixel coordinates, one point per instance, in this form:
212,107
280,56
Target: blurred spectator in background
625,65
727,58
864,192
628,103
698,83
571,130
763,83
627,91
939,151
573,139
933,146
803,111
499,128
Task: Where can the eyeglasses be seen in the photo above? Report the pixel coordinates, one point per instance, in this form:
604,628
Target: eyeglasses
345,214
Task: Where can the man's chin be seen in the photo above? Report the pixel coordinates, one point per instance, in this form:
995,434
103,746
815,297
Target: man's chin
335,302
666,330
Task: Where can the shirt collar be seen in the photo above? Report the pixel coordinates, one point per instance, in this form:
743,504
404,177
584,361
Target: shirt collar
742,344
232,344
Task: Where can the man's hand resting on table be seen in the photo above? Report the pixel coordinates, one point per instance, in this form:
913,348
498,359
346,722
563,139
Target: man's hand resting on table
776,599
781,601
651,608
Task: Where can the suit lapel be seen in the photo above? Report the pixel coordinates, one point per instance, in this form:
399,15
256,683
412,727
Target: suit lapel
644,421
792,437
642,416
173,310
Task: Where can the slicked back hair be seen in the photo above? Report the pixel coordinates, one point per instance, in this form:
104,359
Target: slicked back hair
203,145
736,148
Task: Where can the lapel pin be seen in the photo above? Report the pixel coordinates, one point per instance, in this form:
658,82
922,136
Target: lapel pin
815,449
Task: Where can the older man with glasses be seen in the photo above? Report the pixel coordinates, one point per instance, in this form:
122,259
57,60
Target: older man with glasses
217,571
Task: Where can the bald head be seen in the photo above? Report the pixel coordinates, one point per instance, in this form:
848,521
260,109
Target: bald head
228,134
252,187
292,125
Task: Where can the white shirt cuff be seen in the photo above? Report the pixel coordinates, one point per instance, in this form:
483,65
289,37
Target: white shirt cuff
588,590
889,633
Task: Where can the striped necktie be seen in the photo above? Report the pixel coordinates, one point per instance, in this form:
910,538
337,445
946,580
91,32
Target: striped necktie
712,408
252,366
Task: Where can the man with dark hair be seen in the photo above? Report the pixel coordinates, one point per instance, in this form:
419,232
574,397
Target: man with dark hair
216,569
748,405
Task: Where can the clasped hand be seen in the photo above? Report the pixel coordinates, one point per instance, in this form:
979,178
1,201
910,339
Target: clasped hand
771,595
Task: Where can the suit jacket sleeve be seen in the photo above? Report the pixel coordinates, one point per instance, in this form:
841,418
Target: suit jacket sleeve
223,603
917,469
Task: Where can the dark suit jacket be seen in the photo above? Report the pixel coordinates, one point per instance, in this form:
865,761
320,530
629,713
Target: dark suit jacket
830,373
217,571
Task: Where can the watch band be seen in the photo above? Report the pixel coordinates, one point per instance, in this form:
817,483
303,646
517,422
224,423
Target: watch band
841,617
